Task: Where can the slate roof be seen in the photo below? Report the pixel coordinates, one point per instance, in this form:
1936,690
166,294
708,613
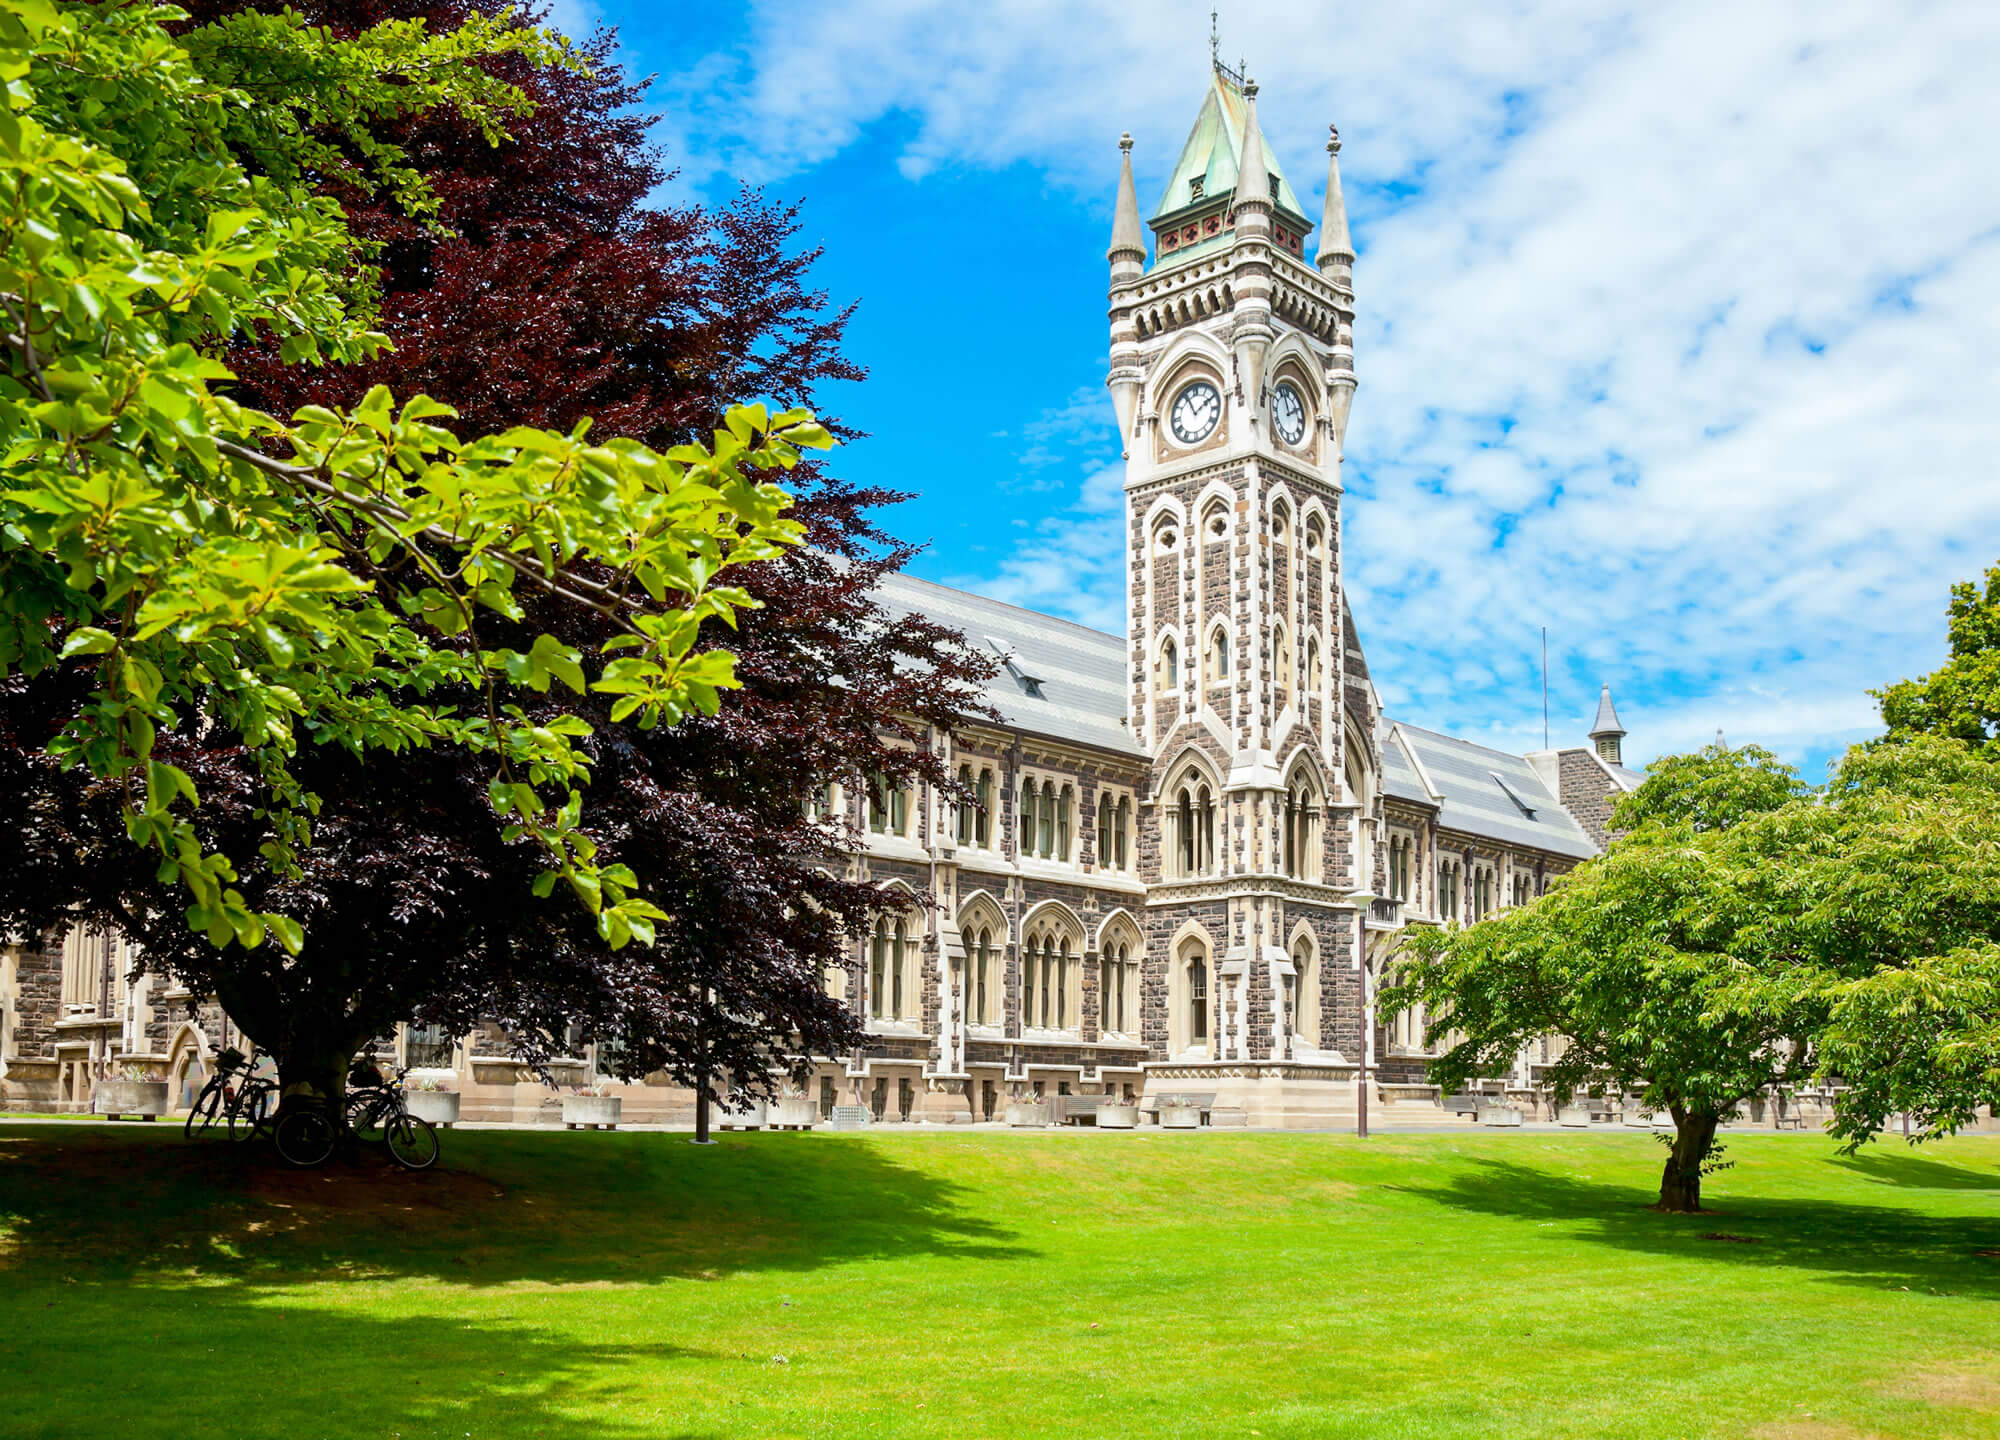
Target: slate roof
1607,722
1476,782
1080,672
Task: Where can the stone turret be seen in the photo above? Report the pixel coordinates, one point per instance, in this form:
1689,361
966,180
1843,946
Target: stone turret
1128,265
1252,212
1607,734
1336,263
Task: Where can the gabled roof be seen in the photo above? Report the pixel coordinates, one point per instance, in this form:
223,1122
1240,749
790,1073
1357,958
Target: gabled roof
1481,791
1211,155
1057,678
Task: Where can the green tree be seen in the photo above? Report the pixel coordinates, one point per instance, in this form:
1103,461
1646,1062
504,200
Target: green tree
1710,789
1961,698
1629,959
318,578
1910,905
1845,933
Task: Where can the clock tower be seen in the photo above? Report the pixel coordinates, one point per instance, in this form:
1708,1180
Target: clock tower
1232,372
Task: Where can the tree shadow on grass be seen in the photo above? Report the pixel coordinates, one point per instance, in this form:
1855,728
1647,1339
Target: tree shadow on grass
1915,1172
158,1287
501,1207
92,1358
1872,1245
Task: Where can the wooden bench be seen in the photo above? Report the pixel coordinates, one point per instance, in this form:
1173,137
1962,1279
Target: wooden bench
1199,1100
1464,1104
1075,1109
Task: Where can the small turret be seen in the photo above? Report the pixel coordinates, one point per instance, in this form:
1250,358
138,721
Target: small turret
1252,214
1606,733
1128,234
1253,173
1336,263
1128,265
1336,246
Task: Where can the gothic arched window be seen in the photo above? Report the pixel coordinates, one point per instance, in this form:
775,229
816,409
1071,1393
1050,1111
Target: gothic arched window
1197,990
965,806
1170,666
1305,985
1218,655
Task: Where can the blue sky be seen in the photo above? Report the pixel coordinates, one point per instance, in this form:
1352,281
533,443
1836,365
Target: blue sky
1676,323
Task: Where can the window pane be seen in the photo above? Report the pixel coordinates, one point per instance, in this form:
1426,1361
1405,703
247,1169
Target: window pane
896,957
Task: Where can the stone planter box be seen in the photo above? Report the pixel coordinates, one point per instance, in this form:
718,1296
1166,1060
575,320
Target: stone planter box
1118,1117
440,1107
591,1111
747,1116
1180,1117
1573,1117
794,1112
1030,1117
1503,1115
144,1098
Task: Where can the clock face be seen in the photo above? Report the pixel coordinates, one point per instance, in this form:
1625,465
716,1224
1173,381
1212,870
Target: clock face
1196,409
1288,413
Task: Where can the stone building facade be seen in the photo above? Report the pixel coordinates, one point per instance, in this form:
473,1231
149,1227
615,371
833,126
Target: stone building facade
1194,844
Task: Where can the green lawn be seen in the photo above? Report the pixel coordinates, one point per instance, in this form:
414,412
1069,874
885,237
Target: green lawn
964,1285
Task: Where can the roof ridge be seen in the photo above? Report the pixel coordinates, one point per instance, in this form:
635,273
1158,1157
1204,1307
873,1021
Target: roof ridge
1456,740
905,576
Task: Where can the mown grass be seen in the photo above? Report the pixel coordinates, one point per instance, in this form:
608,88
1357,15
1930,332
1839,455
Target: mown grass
970,1285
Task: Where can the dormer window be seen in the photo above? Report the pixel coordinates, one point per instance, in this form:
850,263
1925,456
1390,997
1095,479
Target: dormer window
1196,186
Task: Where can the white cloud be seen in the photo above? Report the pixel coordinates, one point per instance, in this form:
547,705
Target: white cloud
1675,325
577,19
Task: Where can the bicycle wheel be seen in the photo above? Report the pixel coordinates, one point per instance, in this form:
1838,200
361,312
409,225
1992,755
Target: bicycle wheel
413,1144
207,1106
368,1115
305,1138
252,1110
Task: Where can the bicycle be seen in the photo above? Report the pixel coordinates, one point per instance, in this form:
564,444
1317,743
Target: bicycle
377,1114
240,1105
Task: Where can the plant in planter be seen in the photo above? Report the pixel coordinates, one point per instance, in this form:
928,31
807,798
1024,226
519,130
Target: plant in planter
136,1088
1030,1111
1180,1113
433,1098
1118,1114
596,1105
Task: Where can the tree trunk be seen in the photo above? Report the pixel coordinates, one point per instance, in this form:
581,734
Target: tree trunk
701,1111
1680,1182
312,1070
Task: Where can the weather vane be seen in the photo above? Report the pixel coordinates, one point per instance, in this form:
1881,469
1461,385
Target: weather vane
1215,51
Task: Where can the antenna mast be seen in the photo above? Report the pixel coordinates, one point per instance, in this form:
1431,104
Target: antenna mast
1545,687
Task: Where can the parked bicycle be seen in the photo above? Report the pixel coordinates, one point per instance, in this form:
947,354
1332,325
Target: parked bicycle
304,1133
235,1098
378,1114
